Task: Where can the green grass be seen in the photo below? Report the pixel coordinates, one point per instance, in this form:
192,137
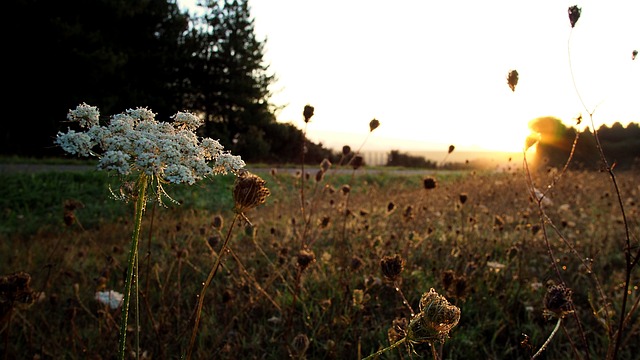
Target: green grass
261,302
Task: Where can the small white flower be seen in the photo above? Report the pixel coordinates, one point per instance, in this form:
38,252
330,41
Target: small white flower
187,120
111,298
87,116
134,142
75,142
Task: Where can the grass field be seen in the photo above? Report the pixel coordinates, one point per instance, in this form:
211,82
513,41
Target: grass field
311,286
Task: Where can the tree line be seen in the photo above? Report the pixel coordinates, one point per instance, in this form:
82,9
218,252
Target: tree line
118,55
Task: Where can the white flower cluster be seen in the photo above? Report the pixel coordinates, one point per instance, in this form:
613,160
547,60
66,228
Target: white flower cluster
134,141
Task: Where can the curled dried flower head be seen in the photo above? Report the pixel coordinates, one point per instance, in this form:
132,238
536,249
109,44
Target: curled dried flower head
300,344
512,79
392,267
574,14
429,183
307,113
305,258
434,321
373,124
248,192
217,223
558,301
15,292
346,150
325,164
357,162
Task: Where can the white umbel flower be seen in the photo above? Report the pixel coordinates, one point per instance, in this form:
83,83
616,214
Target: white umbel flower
134,142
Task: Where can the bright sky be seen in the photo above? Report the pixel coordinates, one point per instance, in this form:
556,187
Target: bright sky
434,73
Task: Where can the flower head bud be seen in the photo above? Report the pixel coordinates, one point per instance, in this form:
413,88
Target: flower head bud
373,124
574,14
429,183
87,116
512,79
307,113
392,267
249,191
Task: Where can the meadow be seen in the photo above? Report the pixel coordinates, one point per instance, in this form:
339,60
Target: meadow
332,266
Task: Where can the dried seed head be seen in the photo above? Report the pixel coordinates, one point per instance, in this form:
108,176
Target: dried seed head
300,344
429,183
463,198
373,124
447,278
325,165
574,14
357,162
557,300
356,263
634,54
248,192
345,189
15,291
392,267
451,148
217,223
397,330
512,79
390,206
305,258
436,318
307,113
346,150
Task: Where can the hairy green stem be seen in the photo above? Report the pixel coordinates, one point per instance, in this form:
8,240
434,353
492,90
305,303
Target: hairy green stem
388,348
546,343
133,254
205,285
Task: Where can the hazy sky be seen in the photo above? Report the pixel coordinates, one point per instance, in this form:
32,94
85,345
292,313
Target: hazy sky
434,73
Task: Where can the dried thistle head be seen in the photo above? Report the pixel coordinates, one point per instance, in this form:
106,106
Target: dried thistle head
434,321
346,150
373,124
319,175
463,198
248,192
512,79
429,183
307,113
558,301
345,189
392,267
574,14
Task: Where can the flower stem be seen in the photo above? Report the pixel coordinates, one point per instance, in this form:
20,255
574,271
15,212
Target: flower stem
546,343
205,285
133,254
391,347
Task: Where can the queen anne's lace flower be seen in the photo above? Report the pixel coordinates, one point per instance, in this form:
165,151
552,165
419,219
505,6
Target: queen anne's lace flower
134,142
